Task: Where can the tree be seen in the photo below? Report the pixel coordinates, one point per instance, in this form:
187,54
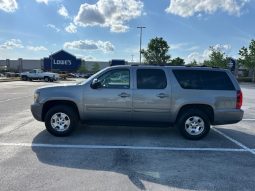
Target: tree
193,63
82,69
247,58
157,52
96,67
177,62
217,58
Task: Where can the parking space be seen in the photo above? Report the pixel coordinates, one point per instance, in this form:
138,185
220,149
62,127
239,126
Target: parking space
113,157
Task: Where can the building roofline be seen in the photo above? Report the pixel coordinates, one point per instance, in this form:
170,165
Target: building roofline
62,50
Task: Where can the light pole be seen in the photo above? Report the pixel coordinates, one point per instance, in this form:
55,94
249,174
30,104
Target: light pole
141,34
51,61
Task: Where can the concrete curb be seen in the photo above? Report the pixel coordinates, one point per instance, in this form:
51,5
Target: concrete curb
9,80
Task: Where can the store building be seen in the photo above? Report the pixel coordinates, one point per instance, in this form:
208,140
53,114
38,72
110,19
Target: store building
58,61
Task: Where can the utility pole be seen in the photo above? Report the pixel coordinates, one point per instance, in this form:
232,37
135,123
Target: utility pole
132,58
141,34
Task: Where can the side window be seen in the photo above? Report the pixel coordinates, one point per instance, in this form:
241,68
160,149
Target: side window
116,79
203,80
151,79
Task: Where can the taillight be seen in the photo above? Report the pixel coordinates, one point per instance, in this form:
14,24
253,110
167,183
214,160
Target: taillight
239,99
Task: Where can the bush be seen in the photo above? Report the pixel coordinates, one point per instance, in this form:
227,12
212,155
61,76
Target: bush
244,79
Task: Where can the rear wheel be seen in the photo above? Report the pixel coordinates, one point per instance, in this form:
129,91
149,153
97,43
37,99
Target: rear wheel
46,79
24,78
61,120
194,124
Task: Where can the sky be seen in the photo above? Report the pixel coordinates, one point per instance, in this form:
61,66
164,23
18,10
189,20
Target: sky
103,30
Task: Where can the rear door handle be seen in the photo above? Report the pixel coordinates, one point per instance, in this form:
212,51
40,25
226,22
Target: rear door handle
162,95
124,95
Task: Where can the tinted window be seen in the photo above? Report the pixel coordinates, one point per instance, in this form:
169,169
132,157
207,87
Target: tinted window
151,79
203,80
115,79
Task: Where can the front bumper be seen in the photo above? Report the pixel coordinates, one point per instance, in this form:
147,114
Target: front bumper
228,116
36,110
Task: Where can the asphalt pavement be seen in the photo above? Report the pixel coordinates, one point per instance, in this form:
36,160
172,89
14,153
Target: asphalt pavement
106,157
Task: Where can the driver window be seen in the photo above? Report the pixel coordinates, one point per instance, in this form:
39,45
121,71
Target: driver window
115,79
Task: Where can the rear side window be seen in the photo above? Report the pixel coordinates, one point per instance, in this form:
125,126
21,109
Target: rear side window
151,79
203,80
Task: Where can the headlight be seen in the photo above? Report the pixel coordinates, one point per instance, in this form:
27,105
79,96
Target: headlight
36,96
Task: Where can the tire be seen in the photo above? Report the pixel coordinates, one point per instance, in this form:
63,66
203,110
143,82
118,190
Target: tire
46,79
24,78
193,124
54,127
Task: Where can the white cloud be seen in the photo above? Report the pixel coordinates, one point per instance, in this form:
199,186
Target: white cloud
11,44
8,5
187,8
42,1
105,46
37,48
53,27
71,28
63,11
178,46
204,55
109,13
87,58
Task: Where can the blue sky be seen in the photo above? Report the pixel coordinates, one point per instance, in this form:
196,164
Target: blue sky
106,29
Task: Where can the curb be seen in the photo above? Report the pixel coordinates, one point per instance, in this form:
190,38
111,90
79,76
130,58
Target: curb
9,80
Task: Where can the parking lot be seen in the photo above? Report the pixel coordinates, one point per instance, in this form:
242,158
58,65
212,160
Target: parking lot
98,157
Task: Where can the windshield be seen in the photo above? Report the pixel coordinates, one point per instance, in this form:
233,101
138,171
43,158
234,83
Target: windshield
91,77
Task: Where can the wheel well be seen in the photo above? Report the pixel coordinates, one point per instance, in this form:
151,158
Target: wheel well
53,103
207,109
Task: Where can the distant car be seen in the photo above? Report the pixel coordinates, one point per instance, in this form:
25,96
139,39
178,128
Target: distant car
38,74
88,75
2,75
10,74
193,99
63,75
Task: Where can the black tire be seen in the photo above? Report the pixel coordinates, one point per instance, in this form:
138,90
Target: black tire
70,112
46,79
24,78
186,116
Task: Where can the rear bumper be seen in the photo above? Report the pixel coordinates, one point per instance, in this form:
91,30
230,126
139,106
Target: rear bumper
36,110
229,116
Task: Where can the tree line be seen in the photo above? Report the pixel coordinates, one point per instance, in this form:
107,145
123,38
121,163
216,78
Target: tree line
157,52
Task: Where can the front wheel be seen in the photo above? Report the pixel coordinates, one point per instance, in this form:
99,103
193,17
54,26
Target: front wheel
194,124
61,120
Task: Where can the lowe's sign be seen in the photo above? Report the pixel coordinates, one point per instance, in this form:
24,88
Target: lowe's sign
62,61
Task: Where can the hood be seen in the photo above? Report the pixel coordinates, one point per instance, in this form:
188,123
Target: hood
57,86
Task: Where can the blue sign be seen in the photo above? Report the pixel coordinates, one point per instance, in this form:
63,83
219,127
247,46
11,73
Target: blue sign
62,61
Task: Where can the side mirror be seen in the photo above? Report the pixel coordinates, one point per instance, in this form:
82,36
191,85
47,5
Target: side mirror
95,84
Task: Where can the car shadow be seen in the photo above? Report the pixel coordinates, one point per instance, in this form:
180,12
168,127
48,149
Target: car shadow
174,169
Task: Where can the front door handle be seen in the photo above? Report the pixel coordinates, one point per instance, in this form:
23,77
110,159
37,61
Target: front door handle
162,95
124,95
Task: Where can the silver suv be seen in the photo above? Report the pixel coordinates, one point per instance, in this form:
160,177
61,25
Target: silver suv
192,98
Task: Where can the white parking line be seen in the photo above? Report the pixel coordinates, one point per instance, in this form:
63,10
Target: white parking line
1,101
234,141
248,120
120,147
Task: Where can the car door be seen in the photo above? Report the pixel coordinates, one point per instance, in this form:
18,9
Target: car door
151,95
113,99
32,74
